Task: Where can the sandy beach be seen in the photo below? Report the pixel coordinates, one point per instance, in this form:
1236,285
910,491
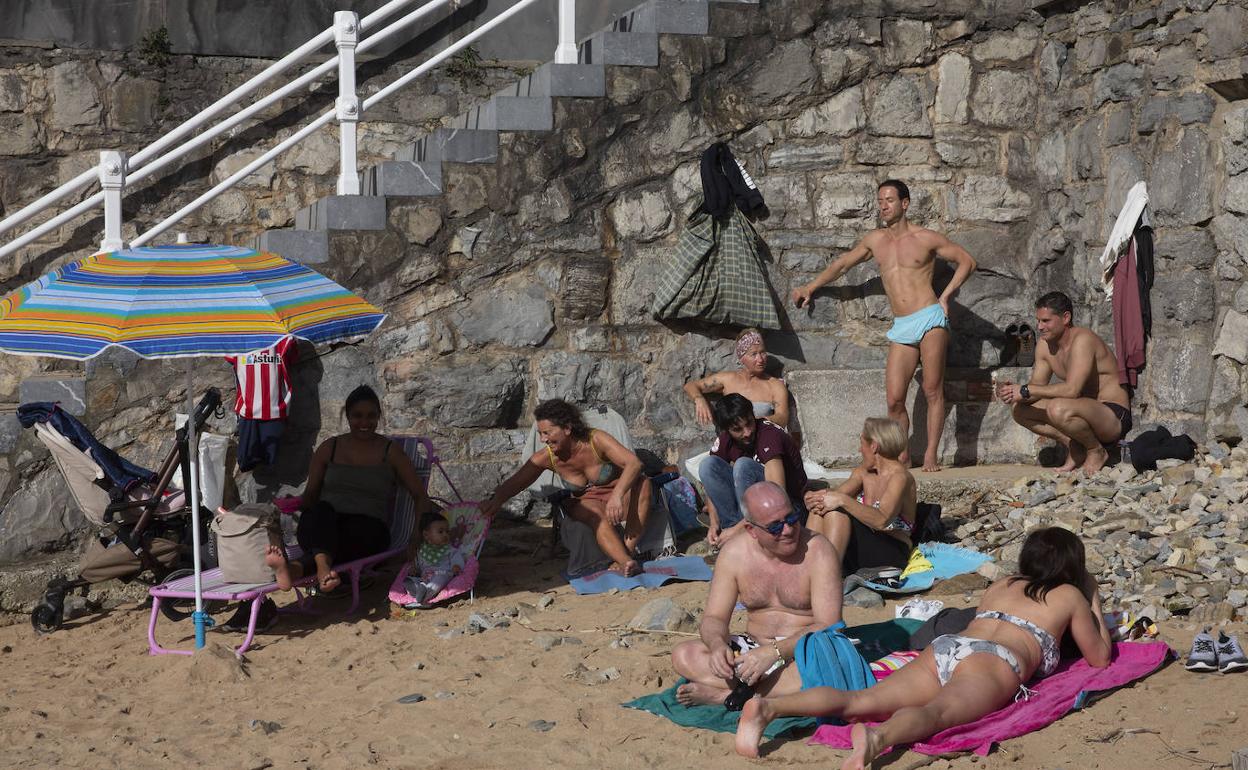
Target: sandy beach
322,692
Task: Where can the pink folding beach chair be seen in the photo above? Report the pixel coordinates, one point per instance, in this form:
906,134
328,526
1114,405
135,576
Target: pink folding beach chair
469,528
216,588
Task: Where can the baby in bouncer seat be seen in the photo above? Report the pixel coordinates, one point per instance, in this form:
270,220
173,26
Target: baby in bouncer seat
437,560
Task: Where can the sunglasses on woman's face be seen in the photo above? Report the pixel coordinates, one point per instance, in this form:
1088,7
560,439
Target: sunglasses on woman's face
777,527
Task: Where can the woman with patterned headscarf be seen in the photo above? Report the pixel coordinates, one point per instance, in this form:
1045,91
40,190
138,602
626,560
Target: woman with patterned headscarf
766,392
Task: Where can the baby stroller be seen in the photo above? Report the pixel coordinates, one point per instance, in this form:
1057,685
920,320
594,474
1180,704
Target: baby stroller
143,528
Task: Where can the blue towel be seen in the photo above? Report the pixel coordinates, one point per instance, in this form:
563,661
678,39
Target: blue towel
828,658
654,574
947,561
120,472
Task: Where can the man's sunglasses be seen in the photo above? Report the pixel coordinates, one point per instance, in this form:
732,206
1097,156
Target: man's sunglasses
777,527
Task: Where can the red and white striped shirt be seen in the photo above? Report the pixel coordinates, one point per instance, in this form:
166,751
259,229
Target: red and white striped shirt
264,381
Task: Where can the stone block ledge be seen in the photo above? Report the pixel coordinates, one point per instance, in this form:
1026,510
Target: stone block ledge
831,405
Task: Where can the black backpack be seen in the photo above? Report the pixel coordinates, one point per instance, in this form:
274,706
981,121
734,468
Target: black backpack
928,526
1157,444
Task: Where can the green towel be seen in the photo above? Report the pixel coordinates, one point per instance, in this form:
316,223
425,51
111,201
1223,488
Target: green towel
876,641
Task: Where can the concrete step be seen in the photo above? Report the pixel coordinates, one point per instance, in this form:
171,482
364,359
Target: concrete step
307,247
510,113
343,212
624,49
676,17
455,145
402,177
832,404
577,80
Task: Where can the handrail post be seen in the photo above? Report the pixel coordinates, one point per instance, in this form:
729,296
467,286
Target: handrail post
113,181
565,53
346,37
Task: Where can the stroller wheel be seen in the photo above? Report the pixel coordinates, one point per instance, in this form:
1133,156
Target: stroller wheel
181,609
46,617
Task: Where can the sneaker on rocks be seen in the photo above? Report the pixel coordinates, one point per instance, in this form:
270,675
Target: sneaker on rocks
1203,657
1230,654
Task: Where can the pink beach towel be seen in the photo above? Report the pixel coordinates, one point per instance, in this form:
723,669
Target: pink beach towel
1071,687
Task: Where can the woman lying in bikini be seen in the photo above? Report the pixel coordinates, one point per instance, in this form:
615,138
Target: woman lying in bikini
960,678
603,475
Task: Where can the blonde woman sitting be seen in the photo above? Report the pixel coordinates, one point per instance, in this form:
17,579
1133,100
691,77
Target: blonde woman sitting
870,517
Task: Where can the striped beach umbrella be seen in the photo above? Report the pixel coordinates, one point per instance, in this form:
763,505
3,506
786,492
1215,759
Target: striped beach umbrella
180,301
176,301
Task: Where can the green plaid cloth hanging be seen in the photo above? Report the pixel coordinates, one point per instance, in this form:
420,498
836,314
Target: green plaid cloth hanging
717,275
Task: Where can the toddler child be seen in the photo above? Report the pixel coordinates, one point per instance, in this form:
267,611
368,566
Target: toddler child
437,561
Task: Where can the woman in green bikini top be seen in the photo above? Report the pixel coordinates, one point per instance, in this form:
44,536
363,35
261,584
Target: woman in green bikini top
607,470
604,477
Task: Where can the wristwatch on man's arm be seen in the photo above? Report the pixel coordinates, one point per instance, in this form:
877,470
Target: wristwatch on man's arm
1025,392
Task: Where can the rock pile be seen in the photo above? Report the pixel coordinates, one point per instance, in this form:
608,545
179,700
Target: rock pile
1162,543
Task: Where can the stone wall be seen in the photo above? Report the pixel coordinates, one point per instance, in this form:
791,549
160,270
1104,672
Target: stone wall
272,28
1018,133
59,108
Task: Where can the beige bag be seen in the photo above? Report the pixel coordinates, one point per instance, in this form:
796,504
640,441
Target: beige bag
242,536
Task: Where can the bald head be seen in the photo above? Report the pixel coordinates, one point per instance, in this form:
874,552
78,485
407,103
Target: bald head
765,502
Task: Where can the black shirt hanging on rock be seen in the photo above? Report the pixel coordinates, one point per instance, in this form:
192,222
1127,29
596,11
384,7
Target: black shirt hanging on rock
725,182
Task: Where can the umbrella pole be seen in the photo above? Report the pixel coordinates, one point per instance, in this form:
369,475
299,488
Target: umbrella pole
202,621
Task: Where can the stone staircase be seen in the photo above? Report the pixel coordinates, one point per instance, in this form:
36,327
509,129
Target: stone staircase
473,137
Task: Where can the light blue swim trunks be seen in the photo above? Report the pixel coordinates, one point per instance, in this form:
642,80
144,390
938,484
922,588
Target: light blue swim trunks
909,329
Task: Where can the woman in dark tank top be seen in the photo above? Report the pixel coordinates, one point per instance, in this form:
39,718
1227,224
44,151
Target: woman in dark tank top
344,515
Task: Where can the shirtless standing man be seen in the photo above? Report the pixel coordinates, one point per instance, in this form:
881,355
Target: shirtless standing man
789,579
906,254
1088,408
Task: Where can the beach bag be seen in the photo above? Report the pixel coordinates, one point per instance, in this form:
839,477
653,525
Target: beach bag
1157,444
681,501
212,477
828,658
242,535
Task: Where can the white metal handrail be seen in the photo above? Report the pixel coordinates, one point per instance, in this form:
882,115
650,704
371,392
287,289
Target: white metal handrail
323,120
202,117
115,172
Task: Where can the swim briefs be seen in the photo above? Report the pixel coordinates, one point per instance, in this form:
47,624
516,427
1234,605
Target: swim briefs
909,329
1124,418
